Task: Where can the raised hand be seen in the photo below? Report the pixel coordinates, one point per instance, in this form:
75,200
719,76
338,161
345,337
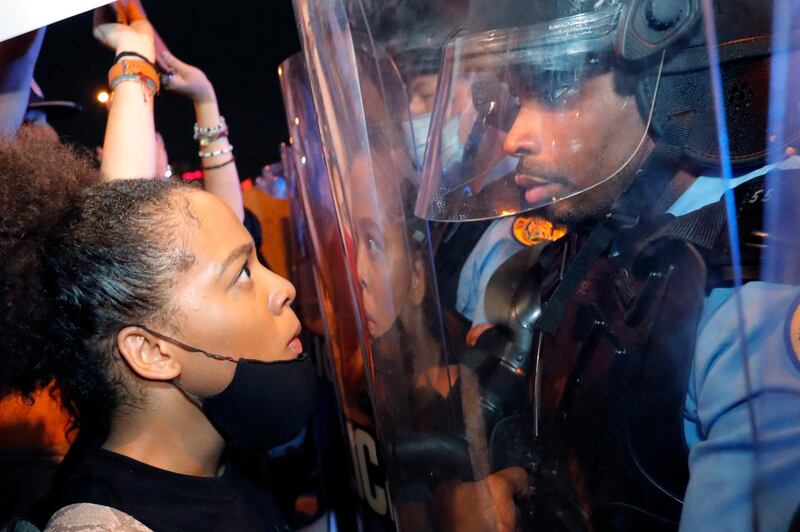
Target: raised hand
130,32
187,80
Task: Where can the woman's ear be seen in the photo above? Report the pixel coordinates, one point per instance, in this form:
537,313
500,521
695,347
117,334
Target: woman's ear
417,281
149,357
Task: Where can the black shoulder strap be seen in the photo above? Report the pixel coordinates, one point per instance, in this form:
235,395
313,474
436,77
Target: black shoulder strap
597,242
707,229
702,227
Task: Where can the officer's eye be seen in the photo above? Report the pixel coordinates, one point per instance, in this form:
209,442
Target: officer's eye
561,96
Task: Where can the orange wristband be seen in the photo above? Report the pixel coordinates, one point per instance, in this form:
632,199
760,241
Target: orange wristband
129,11
130,69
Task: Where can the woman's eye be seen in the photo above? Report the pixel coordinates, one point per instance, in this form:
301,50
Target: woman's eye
244,275
373,245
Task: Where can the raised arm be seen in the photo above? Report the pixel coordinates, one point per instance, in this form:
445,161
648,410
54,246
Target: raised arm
129,147
17,60
219,167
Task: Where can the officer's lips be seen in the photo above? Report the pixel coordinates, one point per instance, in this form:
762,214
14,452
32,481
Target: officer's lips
540,189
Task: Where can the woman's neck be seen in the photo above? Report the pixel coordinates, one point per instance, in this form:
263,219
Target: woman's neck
170,433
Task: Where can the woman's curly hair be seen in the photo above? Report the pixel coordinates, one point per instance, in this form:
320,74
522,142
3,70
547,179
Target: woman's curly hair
39,180
79,260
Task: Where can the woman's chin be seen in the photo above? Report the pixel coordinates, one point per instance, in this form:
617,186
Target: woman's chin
376,330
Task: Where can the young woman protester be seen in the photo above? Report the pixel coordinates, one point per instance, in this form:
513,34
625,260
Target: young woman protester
143,301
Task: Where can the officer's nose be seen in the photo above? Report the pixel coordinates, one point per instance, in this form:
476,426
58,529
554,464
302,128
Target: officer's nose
525,135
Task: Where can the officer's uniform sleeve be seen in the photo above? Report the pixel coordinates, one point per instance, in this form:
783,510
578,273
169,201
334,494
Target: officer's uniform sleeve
467,293
728,477
495,247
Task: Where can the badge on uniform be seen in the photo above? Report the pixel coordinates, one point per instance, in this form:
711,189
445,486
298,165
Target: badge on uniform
530,230
792,333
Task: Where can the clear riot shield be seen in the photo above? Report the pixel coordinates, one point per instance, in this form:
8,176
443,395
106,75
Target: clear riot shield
748,358
301,269
655,372
366,109
343,322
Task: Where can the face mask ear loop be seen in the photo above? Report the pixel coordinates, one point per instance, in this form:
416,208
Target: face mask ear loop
192,397
187,347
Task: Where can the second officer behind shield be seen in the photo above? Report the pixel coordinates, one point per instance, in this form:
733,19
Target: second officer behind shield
643,412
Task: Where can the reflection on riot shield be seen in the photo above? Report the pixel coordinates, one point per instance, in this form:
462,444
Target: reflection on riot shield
412,376
364,111
346,342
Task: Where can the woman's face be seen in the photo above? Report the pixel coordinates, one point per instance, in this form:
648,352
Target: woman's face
382,258
226,302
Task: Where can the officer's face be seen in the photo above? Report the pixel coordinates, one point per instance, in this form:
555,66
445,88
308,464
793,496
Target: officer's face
573,145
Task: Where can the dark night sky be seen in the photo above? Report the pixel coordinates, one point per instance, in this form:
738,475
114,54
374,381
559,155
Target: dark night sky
238,44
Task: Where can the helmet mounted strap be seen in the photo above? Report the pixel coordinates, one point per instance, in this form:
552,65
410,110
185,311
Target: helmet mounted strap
658,170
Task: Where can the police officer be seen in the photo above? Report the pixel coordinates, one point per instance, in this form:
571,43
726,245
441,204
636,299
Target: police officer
664,365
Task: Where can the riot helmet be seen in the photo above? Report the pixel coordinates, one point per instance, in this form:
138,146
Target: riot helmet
554,99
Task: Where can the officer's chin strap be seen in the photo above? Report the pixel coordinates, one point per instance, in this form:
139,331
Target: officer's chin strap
640,197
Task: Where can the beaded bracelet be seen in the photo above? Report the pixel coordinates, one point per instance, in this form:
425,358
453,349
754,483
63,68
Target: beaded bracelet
214,167
223,151
205,131
205,140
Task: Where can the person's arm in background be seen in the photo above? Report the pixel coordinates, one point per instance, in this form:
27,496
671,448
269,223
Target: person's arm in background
17,61
220,174
129,147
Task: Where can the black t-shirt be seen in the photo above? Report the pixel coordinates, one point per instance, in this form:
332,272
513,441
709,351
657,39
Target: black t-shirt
166,501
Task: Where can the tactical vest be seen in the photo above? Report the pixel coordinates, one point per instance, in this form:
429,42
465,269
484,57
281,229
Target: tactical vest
601,393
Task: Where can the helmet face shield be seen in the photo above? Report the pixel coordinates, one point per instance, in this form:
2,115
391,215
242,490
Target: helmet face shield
529,116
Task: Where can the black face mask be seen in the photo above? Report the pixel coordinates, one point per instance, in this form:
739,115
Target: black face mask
265,405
